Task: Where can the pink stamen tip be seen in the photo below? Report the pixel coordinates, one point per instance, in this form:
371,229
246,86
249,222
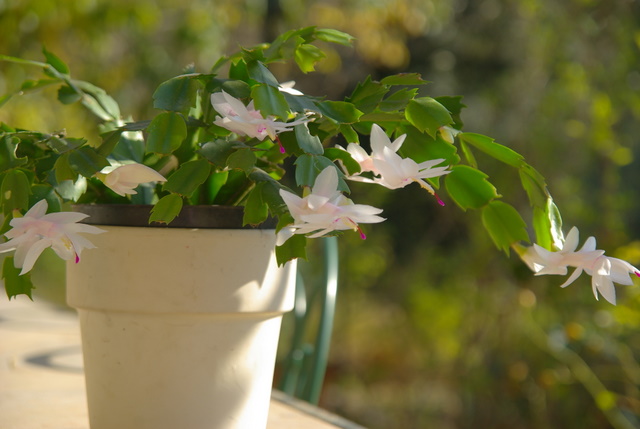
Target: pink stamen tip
362,235
439,200
77,258
637,273
282,149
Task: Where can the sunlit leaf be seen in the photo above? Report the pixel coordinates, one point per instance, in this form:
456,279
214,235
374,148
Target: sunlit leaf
504,224
427,115
493,149
269,101
306,56
334,36
166,209
404,79
469,187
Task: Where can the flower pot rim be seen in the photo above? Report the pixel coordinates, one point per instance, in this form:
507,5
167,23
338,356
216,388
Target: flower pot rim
191,216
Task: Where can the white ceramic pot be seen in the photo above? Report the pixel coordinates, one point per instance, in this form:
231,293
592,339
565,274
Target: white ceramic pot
180,326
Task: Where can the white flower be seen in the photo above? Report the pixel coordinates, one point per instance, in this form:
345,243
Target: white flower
390,169
603,270
245,120
288,87
123,179
36,231
326,209
543,261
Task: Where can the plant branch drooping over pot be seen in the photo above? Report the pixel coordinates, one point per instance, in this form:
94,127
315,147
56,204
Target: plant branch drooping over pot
223,141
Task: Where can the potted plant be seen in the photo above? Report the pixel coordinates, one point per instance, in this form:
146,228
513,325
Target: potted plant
221,141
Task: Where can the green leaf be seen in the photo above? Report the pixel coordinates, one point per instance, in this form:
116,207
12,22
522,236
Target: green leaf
8,157
269,101
15,191
87,161
334,36
504,224
534,185
167,131
309,166
178,94
421,147
404,79
307,56
217,152
334,154
260,73
14,283
188,177
308,143
63,170
256,209
469,187
350,135
166,209
454,105
98,101
68,95
367,95
62,145
340,111
294,247
46,192
547,224
493,149
427,115
55,62
398,100
468,154
243,159
70,190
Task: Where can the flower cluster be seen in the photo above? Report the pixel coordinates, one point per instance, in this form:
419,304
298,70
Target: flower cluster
232,140
604,270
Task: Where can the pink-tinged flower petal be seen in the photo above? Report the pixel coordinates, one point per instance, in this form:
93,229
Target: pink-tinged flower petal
326,209
245,120
36,231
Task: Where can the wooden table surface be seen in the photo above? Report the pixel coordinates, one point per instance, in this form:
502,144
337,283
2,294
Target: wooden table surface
42,382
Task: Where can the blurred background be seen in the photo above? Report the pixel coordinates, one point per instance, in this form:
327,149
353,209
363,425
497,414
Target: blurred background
434,327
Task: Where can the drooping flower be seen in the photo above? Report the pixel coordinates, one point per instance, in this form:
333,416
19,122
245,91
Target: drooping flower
37,231
390,169
124,178
326,209
604,271
246,120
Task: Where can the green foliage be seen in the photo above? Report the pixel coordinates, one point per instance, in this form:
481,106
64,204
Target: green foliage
166,131
14,283
166,209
